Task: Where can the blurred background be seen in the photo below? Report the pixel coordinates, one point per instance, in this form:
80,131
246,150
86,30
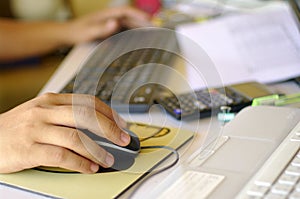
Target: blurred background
22,80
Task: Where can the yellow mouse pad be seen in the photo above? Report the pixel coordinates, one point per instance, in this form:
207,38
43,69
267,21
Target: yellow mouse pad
107,184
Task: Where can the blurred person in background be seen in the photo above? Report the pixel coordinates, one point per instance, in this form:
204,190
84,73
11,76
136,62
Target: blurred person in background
20,39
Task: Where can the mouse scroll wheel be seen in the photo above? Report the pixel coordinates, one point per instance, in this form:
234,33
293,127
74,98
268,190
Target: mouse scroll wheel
134,144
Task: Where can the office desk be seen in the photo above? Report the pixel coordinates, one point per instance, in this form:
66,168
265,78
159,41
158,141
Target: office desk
19,83
155,117
68,68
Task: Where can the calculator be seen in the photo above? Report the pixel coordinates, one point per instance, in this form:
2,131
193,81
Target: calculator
203,103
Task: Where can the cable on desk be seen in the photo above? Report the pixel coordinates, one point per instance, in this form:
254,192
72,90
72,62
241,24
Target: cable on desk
148,173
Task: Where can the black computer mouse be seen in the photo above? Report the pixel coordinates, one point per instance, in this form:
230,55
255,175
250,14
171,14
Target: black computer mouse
124,156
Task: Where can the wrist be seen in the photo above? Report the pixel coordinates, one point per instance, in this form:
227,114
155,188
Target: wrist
64,34
73,33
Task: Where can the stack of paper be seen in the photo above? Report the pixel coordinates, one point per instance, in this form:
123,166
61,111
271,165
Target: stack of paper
262,45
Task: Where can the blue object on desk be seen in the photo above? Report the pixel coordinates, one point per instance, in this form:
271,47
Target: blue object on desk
225,115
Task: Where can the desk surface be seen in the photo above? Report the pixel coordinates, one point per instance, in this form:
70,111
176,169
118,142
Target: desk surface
24,81
65,72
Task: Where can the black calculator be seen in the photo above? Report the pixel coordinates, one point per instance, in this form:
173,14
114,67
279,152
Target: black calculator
203,103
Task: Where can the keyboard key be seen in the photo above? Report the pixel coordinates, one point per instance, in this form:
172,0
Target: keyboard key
292,170
298,131
139,99
256,190
296,138
296,162
281,189
252,197
288,179
274,196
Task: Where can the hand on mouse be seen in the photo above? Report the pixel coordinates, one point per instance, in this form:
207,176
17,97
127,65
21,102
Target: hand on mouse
43,132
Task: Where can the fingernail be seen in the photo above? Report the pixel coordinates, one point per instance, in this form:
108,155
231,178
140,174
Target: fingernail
125,138
109,160
94,167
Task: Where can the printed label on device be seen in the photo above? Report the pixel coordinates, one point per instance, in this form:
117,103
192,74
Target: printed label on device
193,184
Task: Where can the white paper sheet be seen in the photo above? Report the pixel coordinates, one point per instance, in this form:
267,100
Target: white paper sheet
263,46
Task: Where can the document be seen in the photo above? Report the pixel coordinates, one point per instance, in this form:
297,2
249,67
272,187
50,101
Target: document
262,45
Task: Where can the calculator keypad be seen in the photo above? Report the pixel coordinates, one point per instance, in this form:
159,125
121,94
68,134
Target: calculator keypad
200,103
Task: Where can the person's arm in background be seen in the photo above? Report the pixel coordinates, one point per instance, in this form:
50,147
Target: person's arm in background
24,39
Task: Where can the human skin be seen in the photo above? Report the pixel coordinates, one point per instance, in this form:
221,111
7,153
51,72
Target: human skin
19,39
45,132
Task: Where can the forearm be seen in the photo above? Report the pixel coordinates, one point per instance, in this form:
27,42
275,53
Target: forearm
25,39
20,39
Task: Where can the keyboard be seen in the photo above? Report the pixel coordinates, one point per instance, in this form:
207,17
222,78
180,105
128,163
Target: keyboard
279,177
124,72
